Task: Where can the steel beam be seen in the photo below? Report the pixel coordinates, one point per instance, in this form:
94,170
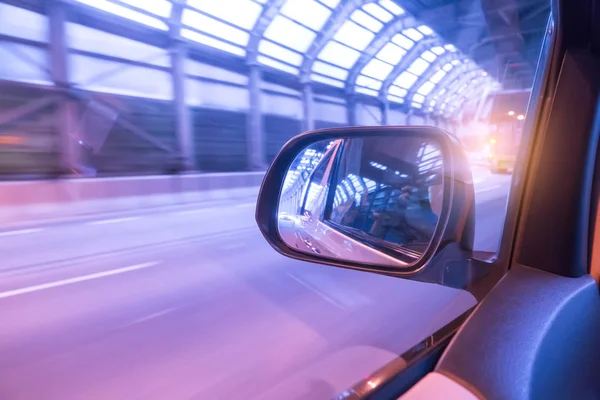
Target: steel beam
308,106
385,111
409,117
70,144
123,4
174,21
183,123
270,11
27,58
351,110
255,134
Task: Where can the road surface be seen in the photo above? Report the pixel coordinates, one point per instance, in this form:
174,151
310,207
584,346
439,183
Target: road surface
193,304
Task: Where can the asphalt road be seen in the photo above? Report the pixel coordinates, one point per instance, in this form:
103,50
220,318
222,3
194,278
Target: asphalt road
193,304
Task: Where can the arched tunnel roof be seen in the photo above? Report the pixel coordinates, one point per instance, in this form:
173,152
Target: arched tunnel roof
370,47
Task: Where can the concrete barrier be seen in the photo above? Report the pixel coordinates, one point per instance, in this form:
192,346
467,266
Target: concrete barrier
30,201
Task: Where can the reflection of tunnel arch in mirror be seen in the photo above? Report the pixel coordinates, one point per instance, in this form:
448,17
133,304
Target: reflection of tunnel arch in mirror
374,206
304,164
296,182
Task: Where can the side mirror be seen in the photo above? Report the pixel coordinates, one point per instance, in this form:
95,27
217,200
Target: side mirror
384,199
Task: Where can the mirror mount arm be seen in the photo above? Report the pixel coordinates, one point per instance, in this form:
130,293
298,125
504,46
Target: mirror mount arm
454,267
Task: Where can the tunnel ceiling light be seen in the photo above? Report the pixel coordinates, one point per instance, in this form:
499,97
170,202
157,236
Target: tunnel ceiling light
391,7
367,82
366,20
413,34
511,113
520,117
428,56
308,12
450,47
329,70
378,12
289,33
391,53
377,69
212,42
425,30
277,52
403,41
330,3
215,28
244,15
338,54
439,50
435,78
354,35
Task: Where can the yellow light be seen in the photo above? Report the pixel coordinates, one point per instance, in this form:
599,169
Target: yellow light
511,113
521,117
493,140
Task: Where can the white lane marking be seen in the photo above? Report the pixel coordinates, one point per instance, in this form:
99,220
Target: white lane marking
113,221
20,232
487,189
151,316
77,279
317,291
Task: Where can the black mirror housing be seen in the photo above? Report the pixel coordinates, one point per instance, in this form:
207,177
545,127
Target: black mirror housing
454,230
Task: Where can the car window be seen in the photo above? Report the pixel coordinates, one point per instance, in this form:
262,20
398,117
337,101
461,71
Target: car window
135,136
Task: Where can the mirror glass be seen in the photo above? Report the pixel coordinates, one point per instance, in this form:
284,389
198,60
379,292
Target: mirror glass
374,200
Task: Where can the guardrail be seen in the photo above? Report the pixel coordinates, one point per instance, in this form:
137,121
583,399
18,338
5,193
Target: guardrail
30,201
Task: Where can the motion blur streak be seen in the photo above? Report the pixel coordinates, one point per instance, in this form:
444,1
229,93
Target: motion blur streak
219,315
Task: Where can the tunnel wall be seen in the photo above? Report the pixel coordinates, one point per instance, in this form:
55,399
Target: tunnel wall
29,202
134,79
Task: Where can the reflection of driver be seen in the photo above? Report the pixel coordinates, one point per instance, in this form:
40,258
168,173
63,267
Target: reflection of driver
392,216
413,208
350,211
425,219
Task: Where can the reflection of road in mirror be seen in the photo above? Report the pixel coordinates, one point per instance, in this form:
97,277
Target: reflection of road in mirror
373,200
